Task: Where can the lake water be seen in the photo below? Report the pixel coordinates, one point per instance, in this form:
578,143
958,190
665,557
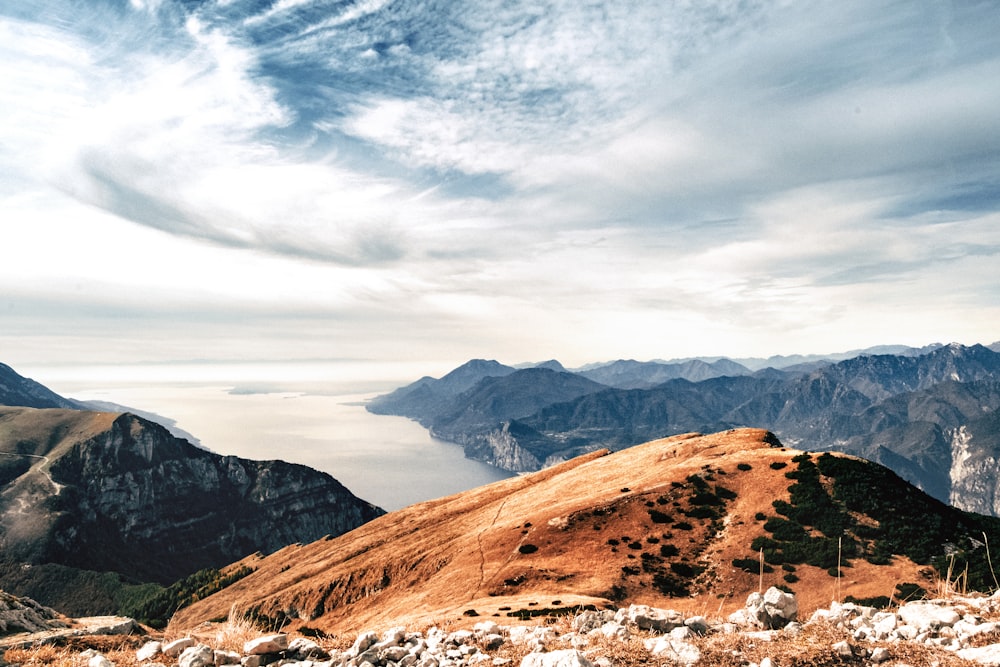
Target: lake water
389,461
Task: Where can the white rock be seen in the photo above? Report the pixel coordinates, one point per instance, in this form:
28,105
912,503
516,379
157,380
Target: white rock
698,624
780,605
680,652
364,642
304,648
272,643
843,649
986,655
99,661
196,656
879,654
925,616
391,637
486,628
225,657
250,661
564,658
613,629
767,662
651,618
394,653
148,651
176,647
883,623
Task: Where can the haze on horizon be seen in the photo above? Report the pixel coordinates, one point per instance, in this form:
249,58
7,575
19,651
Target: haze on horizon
281,181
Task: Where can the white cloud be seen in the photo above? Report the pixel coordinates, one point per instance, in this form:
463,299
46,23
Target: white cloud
637,177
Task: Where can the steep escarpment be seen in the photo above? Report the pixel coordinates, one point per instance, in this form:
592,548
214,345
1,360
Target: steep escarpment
109,492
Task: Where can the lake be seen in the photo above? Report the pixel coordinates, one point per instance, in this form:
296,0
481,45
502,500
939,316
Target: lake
389,461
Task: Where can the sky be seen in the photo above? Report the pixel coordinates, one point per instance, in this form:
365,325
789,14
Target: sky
413,183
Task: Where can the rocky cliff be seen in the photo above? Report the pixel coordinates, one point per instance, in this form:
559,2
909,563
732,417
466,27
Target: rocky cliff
114,492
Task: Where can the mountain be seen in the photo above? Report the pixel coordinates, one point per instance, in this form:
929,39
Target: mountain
631,374
427,397
678,523
519,394
906,411
18,390
781,361
106,492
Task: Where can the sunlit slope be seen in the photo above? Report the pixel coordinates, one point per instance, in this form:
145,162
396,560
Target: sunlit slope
667,523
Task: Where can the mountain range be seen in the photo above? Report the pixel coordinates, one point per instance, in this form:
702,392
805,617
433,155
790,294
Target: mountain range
929,413
84,493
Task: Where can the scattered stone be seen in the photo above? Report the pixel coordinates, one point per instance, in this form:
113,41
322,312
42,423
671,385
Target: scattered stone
196,656
564,658
879,654
651,618
772,610
302,648
99,660
226,658
148,651
986,655
677,651
843,650
274,643
176,647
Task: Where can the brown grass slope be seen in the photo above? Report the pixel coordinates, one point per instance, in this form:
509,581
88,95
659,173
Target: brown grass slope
602,529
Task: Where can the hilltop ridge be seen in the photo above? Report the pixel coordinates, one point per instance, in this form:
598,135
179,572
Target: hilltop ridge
673,523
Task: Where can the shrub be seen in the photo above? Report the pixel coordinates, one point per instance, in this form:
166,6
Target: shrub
724,493
909,591
744,466
527,548
668,550
878,602
686,569
660,517
751,565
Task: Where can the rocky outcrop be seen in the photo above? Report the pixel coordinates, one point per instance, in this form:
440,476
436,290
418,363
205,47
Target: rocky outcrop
500,447
26,615
119,493
768,633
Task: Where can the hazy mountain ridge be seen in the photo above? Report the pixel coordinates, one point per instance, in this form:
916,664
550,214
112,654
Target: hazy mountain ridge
18,390
902,410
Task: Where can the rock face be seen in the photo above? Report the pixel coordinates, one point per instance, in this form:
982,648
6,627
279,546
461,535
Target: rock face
117,493
26,615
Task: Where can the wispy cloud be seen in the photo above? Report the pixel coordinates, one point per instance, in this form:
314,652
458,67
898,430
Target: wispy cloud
450,165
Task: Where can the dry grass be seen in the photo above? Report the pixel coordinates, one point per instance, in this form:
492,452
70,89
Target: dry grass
813,647
235,632
119,650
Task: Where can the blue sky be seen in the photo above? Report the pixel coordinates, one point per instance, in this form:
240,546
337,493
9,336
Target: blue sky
291,180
